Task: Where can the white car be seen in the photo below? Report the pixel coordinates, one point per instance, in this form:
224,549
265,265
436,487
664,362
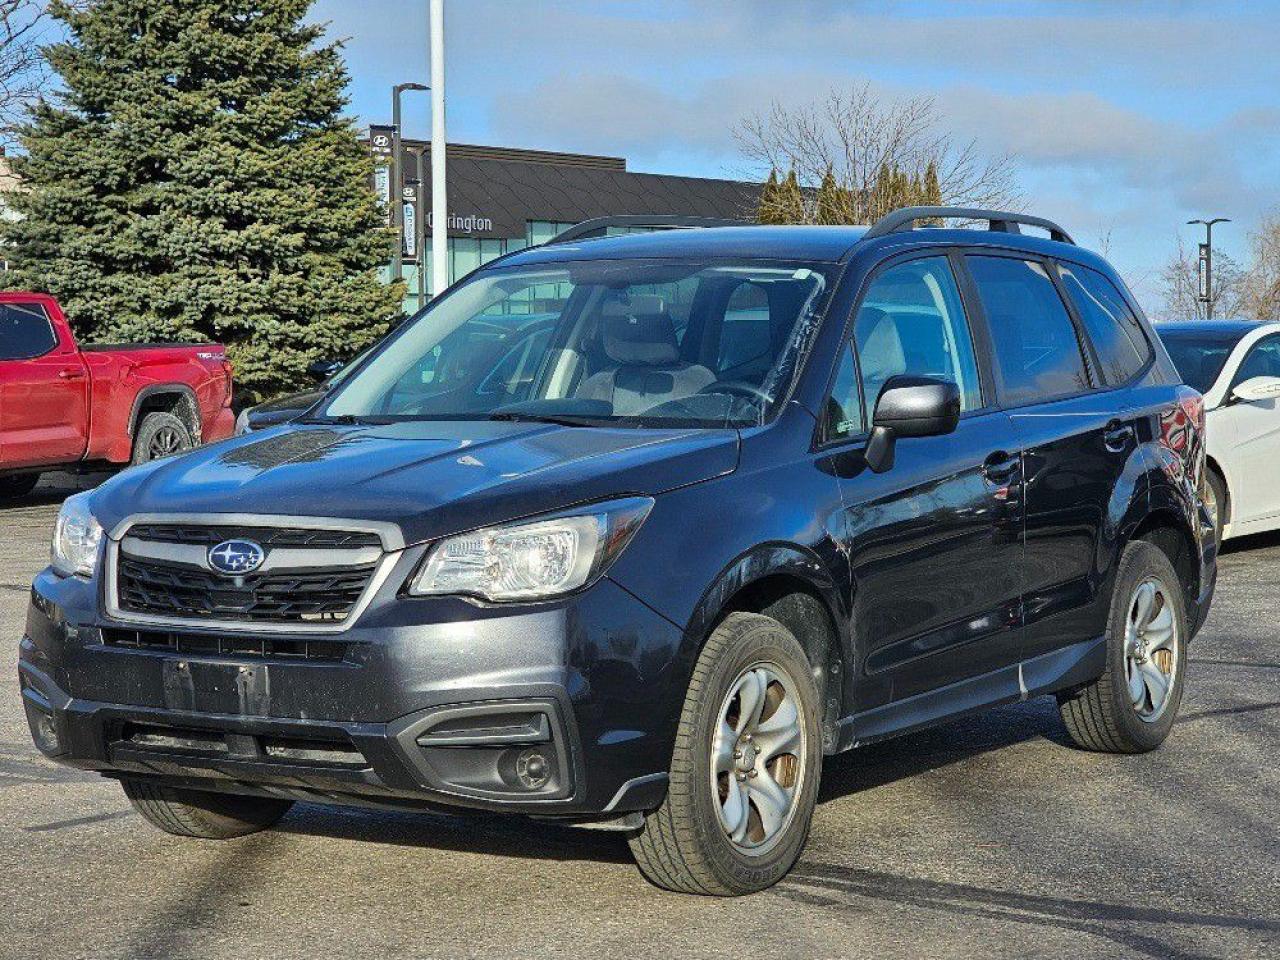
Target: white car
1236,365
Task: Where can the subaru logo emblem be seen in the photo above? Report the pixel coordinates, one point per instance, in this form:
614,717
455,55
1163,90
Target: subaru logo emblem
236,556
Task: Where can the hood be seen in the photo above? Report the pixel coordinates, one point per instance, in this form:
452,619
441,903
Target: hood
429,478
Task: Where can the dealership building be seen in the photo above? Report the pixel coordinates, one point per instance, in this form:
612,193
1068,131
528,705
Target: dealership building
503,199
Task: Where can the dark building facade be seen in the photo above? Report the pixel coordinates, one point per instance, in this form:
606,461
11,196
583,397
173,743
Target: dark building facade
503,199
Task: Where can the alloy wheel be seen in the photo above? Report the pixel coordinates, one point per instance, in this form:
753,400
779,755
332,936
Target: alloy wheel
1151,650
165,442
757,758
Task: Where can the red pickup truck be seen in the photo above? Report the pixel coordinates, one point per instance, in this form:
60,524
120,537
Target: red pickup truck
62,405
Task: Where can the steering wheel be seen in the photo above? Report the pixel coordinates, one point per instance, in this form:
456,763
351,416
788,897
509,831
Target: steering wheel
739,388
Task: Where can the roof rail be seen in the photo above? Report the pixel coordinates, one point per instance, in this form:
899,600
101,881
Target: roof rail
599,225
998,220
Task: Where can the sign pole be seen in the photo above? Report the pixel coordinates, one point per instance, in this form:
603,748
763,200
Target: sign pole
439,201
421,261
1205,293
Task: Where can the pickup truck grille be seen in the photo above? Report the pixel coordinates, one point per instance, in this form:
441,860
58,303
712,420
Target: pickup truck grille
310,578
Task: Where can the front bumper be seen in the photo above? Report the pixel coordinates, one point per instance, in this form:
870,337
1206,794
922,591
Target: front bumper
564,709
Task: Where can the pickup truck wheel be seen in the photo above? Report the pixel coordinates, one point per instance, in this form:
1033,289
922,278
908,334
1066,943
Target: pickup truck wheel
1131,707
160,435
198,813
745,770
13,487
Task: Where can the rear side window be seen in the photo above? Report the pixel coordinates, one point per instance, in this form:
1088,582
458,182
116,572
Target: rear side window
1036,351
1117,335
25,331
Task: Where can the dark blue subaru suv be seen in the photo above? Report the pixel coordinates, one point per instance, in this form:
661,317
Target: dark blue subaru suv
633,531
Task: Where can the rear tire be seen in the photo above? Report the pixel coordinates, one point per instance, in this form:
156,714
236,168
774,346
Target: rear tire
1132,706
160,435
1217,488
203,814
744,778
18,486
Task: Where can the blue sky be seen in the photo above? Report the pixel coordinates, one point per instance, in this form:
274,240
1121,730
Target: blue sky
1126,118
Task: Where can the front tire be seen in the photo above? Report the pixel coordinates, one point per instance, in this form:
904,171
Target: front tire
1132,706
745,769
203,814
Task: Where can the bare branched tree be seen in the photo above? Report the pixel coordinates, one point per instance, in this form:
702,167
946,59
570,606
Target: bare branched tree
1180,286
1261,293
23,72
880,153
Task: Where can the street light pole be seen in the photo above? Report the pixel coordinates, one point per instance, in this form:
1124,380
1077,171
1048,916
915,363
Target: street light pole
439,202
397,178
1206,258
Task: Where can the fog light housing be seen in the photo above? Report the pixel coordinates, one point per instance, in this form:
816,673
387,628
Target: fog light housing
44,729
533,768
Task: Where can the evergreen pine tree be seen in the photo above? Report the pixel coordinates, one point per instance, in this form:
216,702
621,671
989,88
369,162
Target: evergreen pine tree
767,211
829,206
932,189
195,179
790,200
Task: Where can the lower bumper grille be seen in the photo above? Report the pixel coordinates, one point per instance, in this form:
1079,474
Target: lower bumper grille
304,751
326,651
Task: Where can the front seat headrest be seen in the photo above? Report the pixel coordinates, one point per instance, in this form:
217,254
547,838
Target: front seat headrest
640,332
880,350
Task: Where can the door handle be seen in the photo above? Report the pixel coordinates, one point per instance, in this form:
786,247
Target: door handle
1001,468
1116,436
70,374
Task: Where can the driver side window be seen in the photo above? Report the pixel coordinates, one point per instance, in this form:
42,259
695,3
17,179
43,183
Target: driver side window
912,321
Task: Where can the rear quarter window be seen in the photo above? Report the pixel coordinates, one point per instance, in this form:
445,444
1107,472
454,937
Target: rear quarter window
1117,335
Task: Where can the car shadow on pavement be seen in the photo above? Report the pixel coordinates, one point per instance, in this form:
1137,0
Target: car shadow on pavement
53,489
830,885
849,773
882,763
497,835
1253,541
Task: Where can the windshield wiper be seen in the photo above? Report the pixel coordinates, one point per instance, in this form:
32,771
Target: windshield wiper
348,420
563,420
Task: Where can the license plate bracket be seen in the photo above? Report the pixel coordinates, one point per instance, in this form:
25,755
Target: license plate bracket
206,686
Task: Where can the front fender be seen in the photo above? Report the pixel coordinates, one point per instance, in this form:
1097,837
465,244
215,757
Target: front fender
754,567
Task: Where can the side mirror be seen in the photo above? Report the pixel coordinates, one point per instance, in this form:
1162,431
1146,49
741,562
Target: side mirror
910,406
1257,388
322,370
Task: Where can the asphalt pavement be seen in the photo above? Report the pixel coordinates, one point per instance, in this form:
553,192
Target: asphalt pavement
986,837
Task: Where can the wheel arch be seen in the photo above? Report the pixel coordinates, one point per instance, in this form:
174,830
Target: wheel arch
1164,528
793,586
1211,463
176,398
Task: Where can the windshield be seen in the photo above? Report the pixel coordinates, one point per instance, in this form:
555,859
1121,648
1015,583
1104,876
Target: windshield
630,342
1199,357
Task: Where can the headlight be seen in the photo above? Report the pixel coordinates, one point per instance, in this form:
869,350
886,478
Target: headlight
76,538
532,560
242,422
